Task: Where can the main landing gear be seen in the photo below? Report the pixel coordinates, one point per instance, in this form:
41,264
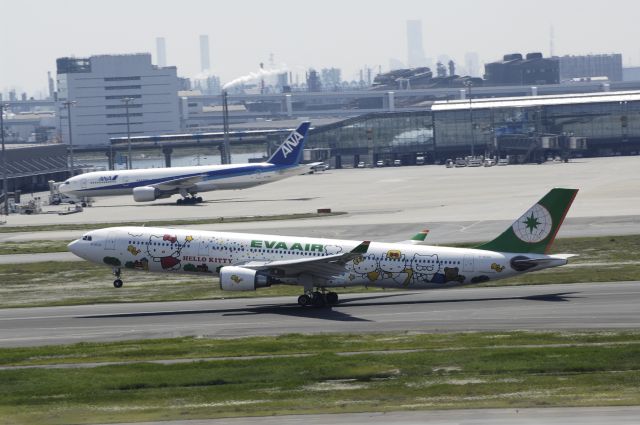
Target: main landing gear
190,200
118,282
318,299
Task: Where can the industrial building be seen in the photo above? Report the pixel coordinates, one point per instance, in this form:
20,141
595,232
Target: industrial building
110,90
514,69
587,66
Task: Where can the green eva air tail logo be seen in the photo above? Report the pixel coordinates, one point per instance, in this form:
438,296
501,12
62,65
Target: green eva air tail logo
536,229
534,225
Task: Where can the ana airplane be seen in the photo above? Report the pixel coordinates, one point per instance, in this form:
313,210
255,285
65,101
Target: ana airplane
246,262
150,184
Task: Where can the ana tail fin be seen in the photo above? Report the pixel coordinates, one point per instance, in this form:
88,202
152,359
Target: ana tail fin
535,230
290,151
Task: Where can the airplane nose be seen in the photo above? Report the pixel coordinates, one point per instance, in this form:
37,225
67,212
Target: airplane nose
73,247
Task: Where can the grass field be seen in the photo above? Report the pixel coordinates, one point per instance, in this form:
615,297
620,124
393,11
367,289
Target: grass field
92,226
601,259
319,374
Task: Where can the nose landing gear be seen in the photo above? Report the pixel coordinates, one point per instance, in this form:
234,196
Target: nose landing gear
118,282
190,200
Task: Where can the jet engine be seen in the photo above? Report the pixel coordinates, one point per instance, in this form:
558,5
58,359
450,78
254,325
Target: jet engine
145,194
234,278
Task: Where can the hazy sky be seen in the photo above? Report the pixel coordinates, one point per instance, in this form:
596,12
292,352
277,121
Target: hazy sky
347,34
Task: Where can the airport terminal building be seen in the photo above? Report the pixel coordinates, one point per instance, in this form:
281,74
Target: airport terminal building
525,128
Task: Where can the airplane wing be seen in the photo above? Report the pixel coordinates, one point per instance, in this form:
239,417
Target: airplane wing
326,267
179,183
418,238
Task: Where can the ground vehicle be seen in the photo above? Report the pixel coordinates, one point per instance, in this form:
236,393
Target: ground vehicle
61,198
503,161
361,164
320,167
397,162
473,162
419,160
380,163
460,162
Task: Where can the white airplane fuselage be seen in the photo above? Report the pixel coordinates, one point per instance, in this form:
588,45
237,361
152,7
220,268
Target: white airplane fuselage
216,177
392,265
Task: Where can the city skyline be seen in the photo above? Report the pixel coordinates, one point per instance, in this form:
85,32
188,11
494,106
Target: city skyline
343,35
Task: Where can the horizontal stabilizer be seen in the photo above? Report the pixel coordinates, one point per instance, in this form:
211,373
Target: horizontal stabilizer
418,238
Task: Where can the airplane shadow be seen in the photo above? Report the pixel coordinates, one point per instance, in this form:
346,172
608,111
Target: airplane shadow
334,313
204,203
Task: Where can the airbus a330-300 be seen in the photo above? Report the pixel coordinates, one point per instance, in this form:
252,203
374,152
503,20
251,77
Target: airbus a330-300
246,262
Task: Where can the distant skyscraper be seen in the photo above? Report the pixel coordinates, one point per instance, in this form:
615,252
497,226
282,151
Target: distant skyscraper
161,52
415,51
472,64
52,90
204,53
395,64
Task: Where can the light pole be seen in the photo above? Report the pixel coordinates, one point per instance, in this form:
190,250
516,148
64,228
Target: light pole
68,104
468,84
5,178
127,101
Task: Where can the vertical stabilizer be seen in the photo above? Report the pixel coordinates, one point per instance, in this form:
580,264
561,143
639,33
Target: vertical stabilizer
290,151
536,229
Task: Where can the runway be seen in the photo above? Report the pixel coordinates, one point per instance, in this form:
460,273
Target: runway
548,307
619,415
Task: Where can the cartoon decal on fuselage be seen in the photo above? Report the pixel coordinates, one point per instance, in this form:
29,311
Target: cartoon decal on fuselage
393,265
163,249
166,250
424,267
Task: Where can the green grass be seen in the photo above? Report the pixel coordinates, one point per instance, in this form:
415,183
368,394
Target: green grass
465,370
33,247
601,259
93,226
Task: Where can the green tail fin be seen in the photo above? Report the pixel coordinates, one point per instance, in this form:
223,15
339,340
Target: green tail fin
536,230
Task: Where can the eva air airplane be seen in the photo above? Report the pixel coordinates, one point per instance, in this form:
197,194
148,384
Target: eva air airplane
246,262
150,184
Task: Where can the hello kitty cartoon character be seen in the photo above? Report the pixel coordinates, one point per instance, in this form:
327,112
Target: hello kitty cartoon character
395,266
165,251
424,267
367,267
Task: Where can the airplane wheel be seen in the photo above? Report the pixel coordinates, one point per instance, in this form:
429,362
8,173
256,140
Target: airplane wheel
332,298
199,199
179,201
304,300
117,283
318,299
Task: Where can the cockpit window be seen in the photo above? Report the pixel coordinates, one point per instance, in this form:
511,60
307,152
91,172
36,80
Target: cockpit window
86,238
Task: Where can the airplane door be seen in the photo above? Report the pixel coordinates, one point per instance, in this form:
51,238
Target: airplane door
110,243
467,263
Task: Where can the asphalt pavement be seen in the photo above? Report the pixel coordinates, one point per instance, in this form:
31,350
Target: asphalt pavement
546,307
